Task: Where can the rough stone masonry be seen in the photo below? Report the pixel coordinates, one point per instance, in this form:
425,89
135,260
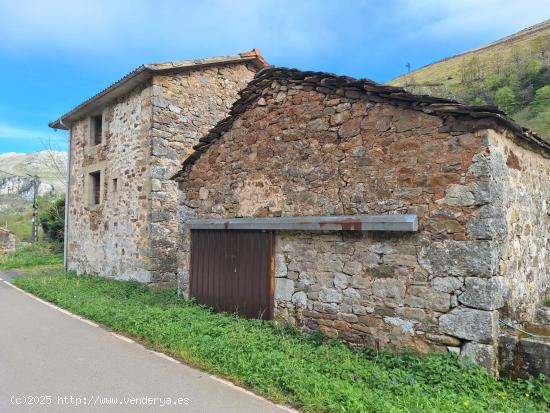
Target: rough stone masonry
149,122
306,143
7,241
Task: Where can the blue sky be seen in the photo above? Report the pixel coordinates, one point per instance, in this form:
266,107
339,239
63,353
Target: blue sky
55,54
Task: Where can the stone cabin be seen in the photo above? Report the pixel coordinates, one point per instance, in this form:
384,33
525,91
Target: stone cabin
7,241
125,144
368,213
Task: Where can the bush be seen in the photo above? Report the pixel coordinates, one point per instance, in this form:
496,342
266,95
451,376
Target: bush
506,99
52,220
541,100
495,81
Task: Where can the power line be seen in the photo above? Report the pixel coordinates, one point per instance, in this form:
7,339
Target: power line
9,173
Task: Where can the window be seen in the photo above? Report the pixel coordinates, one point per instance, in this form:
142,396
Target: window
95,188
96,129
115,184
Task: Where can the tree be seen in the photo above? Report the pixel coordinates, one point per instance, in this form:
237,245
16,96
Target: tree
52,220
506,99
495,81
541,121
541,102
51,158
533,67
470,71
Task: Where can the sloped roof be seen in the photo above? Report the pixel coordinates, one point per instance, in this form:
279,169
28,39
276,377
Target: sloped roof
357,89
144,73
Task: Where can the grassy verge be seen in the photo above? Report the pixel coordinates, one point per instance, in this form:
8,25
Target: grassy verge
32,255
281,364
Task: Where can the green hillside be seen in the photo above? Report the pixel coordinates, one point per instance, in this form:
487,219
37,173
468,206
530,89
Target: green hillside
512,73
16,187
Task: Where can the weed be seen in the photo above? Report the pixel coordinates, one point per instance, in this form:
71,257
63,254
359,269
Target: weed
29,255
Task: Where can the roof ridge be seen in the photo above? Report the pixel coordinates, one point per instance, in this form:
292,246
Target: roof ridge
356,89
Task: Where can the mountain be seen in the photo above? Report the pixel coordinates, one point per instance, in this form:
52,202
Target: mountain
512,73
16,170
17,186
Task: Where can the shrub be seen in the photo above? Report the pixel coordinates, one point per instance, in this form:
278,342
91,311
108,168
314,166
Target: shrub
541,100
506,99
52,220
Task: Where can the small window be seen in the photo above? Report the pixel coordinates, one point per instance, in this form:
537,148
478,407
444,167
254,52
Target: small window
95,188
96,130
115,184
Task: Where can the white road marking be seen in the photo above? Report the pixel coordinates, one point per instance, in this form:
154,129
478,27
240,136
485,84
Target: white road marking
164,356
128,340
161,355
248,392
61,310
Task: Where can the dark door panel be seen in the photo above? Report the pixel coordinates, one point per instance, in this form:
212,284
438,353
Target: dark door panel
232,271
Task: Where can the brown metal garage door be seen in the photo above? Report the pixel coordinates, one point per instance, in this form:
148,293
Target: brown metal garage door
232,271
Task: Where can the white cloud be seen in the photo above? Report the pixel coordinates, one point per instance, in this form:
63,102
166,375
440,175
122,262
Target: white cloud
15,132
105,26
459,18
283,28
63,23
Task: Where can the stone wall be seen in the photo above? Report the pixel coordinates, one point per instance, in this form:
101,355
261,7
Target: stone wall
297,151
522,180
111,239
185,107
7,241
133,233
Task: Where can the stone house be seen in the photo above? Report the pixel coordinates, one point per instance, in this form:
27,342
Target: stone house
125,143
368,213
7,241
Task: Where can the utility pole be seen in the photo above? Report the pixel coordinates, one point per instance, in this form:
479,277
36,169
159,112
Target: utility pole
408,66
35,210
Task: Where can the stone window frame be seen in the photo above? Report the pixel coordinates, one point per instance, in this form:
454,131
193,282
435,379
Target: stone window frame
115,185
89,187
91,129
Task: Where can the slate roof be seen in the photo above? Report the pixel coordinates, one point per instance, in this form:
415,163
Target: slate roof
144,73
358,89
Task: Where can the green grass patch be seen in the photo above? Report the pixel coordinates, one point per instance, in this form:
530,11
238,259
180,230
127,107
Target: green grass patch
30,255
280,363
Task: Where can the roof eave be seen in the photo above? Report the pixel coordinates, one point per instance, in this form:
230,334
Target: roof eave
114,91
142,74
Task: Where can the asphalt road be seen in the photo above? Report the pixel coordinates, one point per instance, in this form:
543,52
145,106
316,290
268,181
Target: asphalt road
47,357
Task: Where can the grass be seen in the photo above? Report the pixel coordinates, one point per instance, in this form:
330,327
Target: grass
30,255
458,77
493,58
280,363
